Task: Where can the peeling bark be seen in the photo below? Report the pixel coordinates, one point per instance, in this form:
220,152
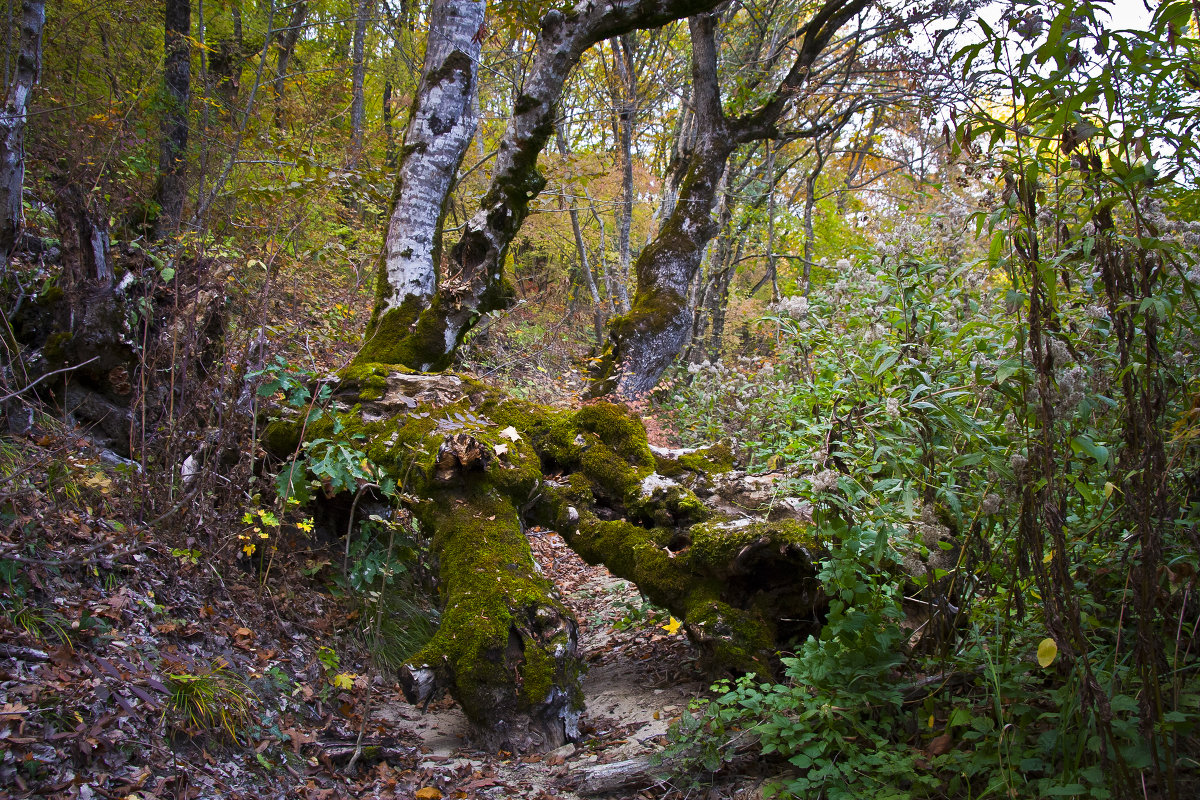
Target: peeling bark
12,124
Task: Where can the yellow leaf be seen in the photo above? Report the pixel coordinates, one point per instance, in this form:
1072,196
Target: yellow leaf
345,680
931,721
1046,653
672,627
428,793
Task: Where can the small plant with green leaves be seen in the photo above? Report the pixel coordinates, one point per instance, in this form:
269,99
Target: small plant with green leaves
208,700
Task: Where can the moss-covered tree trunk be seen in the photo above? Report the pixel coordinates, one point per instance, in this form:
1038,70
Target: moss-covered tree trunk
645,341
721,550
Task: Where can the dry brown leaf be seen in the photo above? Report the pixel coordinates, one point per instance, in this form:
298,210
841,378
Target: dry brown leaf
941,745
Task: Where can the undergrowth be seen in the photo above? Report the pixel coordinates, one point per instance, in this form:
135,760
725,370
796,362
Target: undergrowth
1004,445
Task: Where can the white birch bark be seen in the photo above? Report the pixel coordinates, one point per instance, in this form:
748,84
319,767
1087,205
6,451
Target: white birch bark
12,123
440,129
478,257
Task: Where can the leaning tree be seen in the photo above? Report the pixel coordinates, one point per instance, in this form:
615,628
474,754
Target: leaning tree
725,552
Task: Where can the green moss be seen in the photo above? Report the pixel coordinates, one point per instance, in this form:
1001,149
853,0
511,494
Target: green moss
636,554
50,296
55,348
368,381
709,460
537,675
618,428
654,308
413,334
487,572
714,545
281,437
736,639
549,431
670,506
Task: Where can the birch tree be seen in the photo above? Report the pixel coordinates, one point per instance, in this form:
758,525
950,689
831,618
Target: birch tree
418,319
12,123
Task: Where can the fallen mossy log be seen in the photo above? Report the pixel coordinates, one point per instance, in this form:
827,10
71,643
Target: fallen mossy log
475,465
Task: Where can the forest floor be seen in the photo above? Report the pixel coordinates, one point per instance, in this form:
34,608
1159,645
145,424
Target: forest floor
139,661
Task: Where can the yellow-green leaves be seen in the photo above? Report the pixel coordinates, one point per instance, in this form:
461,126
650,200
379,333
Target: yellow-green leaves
1046,653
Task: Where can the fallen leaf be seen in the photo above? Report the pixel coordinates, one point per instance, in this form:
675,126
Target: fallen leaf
672,627
500,449
1046,652
428,793
940,746
511,433
298,738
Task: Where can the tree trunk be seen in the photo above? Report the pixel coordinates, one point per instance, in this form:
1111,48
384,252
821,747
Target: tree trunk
598,315
287,46
645,341
12,124
389,142
772,275
358,77
172,158
83,231
439,130
626,103
732,557
426,337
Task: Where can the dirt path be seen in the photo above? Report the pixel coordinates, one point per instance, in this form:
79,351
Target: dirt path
639,680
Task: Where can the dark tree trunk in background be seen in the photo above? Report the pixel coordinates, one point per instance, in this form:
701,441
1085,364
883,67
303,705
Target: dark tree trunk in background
172,158
287,47
647,340
358,78
12,123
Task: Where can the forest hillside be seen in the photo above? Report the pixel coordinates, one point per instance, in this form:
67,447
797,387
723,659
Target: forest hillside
655,398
